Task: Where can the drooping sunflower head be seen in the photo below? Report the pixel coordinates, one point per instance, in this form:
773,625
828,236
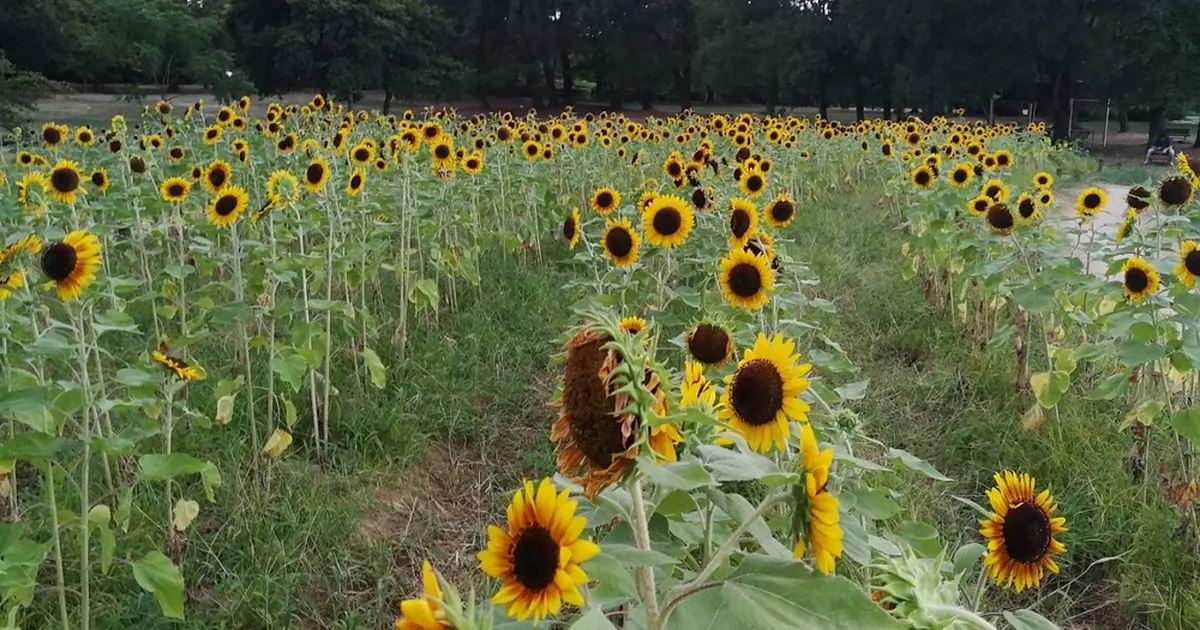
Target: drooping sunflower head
100,179
227,206
1090,202
605,200
620,242
746,279
668,221
1188,268
175,189
538,557
1020,532
961,175
1176,192
1139,280
743,222
182,370
1000,218
710,344
1043,180
358,179
633,324
63,181
571,229
316,174
1126,226
781,211
217,175
71,263
815,517
1138,198
283,188
762,396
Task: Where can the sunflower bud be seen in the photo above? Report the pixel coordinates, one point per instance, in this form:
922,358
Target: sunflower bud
908,586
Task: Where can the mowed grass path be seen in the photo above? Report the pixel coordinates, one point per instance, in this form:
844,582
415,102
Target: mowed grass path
951,402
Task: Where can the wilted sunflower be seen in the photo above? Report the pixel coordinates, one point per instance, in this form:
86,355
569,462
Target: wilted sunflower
1043,180
780,212
923,178
63,181
1090,202
1126,226
180,367
620,242
1176,192
668,221
605,200
570,228
1000,218
743,222
995,189
961,175
1188,268
71,263
217,175
1139,279
746,279
710,344
225,208
753,183
316,174
538,557
1138,198
175,189
762,396
1027,209
53,135
1020,532
815,510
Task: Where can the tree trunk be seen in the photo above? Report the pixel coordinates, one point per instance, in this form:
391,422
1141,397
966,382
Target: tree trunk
709,97
685,85
1196,144
887,107
1122,118
1158,121
822,105
1061,104
859,114
548,76
387,100
568,88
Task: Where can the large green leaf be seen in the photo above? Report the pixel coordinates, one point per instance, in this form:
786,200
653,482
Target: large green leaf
684,475
156,574
740,510
375,368
736,465
917,464
872,504
1028,620
1187,424
158,467
593,619
31,447
633,557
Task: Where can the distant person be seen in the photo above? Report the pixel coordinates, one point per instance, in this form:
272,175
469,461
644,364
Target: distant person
1162,145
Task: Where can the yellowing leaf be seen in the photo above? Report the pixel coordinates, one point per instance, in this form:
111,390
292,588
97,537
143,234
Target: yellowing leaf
279,442
1034,418
184,513
225,409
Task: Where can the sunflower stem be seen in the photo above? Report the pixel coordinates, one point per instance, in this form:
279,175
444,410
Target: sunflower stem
240,283
60,580
641,533
85,529
728,546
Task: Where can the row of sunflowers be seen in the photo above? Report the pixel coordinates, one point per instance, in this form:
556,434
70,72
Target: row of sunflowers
711,469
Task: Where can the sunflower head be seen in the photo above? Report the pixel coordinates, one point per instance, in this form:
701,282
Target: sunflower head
570,228
71,263
604,200
63,181
217,175
178,367
995,189
1176,191
1126,226
316,174
1090,202
815,516
1027,208
1139,280
668,221
999,218
762,395
175,189
961,175
620,242
746,279
1138,198
710,344
1188,268
227,206
743,222
781,211
923,178
1020,532
1043,180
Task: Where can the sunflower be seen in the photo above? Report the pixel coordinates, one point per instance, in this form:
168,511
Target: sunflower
668,221
63,181
473,163
531,150
746,279
695,390
753,183
761,396
1188,268
53,135
1045,198
213,134
362,154
1138,198
358,179
71,263
1027,208
217,175
743,222
999,218
620,242
996,190
282,188
1139,279
710,344
425,613
1043,180
1020,532
633,324
570,228
1176,191
923,178
25,158
1090,202
1004,158
780,212
316,175
225,208
29,188
175,189
815,513
180,367
538,558
10,283
84,137
605,200
961,175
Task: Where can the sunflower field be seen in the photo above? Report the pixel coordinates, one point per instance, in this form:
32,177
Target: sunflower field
245,279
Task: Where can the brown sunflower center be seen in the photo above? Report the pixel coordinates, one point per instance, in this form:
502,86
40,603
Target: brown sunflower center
97,178
754,183
587,404
531,149
226,205
217,177
709,344
699,198
922,178
1175,191
51,136
1000,217
604,199
739,223
674,170
568,228
1042,181
745,280
1136,280
58,261
1192,262
441,151
1026,208
618,242
535,558
960,175
756,393
175,190
667,221
992,191
1026,533
137,165
64,179
356,182
314,173
1091,201
782,210
176,153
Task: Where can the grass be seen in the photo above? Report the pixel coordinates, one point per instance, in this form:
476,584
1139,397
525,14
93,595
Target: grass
944,399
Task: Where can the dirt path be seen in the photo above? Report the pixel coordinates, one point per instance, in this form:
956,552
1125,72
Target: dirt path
1106,222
